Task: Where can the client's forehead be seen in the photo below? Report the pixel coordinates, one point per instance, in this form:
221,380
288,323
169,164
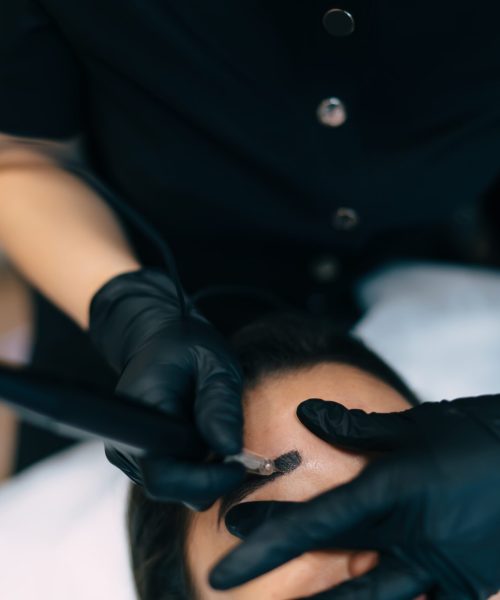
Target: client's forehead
272,428
349,385
271,424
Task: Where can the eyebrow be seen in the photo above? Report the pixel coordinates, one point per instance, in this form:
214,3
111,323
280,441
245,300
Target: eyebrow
286,463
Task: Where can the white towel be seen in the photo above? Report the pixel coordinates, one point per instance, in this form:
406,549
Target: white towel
62,530
437,324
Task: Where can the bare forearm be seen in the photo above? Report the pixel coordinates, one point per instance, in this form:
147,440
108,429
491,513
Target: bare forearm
60,234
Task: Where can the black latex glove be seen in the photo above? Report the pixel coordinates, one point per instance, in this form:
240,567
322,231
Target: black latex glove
430,507
182,367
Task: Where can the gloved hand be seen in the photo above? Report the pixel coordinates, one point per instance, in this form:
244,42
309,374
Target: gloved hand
180,366
430,506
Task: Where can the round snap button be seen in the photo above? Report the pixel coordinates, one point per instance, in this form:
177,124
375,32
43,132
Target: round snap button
339,22
331,112
345,219
325,269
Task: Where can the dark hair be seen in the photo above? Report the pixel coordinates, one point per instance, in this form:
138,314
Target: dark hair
276,343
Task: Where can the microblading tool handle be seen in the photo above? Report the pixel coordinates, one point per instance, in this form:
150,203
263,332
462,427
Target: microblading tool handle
81,410
254,463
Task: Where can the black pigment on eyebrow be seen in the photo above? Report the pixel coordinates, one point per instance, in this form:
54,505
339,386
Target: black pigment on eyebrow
286,463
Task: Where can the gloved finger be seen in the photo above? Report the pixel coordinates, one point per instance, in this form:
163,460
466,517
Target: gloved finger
354,428
439,594
391,579
316,524
218,408
243,519
127,463
196,485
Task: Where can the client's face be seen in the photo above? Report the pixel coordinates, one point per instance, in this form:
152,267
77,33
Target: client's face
273,429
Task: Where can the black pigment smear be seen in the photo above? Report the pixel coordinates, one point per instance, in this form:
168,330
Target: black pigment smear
286,463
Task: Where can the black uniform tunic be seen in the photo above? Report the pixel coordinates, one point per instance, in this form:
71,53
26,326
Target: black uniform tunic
259,135
204,114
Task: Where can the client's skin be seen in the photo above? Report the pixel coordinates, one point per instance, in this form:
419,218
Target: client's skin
272,429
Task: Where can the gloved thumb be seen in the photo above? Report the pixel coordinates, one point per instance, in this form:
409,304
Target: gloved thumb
355,429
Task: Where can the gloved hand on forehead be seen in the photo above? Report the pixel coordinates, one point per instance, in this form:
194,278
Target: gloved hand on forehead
430,505
179,365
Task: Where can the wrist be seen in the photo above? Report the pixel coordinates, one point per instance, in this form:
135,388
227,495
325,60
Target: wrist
100,277
128,308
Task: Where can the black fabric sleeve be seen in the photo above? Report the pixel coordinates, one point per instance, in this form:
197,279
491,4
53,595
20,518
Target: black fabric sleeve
40,81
